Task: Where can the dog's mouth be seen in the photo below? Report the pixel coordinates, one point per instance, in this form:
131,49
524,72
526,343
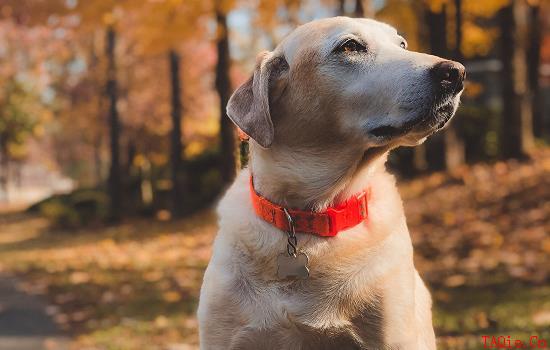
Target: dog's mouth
389,131
427,122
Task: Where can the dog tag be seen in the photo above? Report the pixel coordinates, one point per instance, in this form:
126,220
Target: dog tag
289,267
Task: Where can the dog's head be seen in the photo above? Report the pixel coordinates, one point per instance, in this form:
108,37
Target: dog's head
346,81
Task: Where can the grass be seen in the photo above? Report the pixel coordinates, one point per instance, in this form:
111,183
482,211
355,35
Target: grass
463,315
131,286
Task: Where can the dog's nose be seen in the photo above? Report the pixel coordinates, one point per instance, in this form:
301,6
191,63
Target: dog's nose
449,75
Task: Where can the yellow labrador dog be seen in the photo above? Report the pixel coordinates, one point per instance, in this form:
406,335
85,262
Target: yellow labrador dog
313,250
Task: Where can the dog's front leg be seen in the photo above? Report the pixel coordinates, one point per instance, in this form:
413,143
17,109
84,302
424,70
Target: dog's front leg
401,328
217,313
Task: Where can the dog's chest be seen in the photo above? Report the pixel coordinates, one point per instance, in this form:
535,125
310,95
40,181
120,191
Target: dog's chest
305,314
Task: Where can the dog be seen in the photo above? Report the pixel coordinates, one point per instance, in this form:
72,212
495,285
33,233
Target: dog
322,112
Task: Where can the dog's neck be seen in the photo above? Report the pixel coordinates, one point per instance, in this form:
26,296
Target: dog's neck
312,179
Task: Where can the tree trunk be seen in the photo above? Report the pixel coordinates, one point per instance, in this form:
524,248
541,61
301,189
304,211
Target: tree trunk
363,8
176,143
131,152
114,183
458,30
98,137
516,136
98,178
437,29
4,171
533,57
454,145
341,8
223,87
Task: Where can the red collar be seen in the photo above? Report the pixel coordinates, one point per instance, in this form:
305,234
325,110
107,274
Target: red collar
327,223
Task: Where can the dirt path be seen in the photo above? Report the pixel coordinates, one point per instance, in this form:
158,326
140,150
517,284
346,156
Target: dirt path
24,323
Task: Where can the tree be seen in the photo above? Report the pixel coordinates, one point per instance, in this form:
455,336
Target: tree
341,11
99,105
223,88
533,58
17,120
93,15
516,135
454,145
445,150
436,20
162,27
363,8
176,146
22,111
114,182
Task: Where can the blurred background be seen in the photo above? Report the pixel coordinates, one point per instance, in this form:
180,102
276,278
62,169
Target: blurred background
115,146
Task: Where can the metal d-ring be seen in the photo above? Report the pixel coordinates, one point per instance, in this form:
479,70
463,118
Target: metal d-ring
292,241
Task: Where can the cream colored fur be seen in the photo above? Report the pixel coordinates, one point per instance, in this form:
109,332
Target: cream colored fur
313,146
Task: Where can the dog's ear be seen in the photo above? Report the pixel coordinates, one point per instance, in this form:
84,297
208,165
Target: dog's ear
248,107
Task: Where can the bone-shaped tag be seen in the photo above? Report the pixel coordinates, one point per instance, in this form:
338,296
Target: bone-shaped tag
289,267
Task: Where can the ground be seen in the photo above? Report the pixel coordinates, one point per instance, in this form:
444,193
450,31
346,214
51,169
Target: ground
24,320
482,240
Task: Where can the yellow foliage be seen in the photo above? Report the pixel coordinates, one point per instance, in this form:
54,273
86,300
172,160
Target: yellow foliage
402,15
164,24
225,5
193,148
171,296
17,151
159,159
140,160
485,8
473,89
108,19
38,130
436,5
478,41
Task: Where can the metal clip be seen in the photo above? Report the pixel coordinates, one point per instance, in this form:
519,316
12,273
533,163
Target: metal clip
292,241
293,265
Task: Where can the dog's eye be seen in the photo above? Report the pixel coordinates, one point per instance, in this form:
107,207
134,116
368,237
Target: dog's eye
403,45
351,46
